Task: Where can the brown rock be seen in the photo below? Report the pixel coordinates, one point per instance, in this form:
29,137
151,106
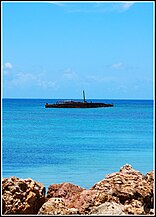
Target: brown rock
109,208
124,192
126,184
65,190
78,198
86,200
56,206
130,186
134,207
150,177
22,196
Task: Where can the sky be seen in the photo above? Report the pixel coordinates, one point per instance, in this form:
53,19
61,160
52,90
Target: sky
58,49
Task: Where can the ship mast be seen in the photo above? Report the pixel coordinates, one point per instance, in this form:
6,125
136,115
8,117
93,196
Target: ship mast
84,96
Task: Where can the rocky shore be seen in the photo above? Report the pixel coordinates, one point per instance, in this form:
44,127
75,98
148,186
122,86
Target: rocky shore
127,192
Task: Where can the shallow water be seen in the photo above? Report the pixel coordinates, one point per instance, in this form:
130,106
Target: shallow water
80,146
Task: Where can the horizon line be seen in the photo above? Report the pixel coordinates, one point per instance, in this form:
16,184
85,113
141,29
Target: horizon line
82,99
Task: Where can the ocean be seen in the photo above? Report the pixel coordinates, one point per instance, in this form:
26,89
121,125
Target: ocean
80,146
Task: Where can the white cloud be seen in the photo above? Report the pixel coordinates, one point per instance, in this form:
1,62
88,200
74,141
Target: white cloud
70,74
123,6
118,66
47,84
97,78
56,3
94,7
68,71
8,65
7,69
24,79
126,5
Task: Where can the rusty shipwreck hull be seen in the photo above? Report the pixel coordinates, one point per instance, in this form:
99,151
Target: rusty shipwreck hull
77,105
74,104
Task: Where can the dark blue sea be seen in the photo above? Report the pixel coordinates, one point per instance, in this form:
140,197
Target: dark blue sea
80,146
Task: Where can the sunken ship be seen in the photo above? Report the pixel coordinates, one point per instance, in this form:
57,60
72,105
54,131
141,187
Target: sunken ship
75,104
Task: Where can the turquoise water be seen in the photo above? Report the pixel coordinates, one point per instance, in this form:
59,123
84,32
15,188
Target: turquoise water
80,146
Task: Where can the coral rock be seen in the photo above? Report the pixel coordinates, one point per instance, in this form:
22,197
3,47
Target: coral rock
130,185
56,206
134,207
121,193
22,196
65,190
88,199
109,208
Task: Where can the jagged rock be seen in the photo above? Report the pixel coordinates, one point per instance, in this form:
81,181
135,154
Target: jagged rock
126,184
109,208
129,185
86,200
149,199
79,198
149,177
22,196
56,206
121,193
134,207
127,169
64,190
